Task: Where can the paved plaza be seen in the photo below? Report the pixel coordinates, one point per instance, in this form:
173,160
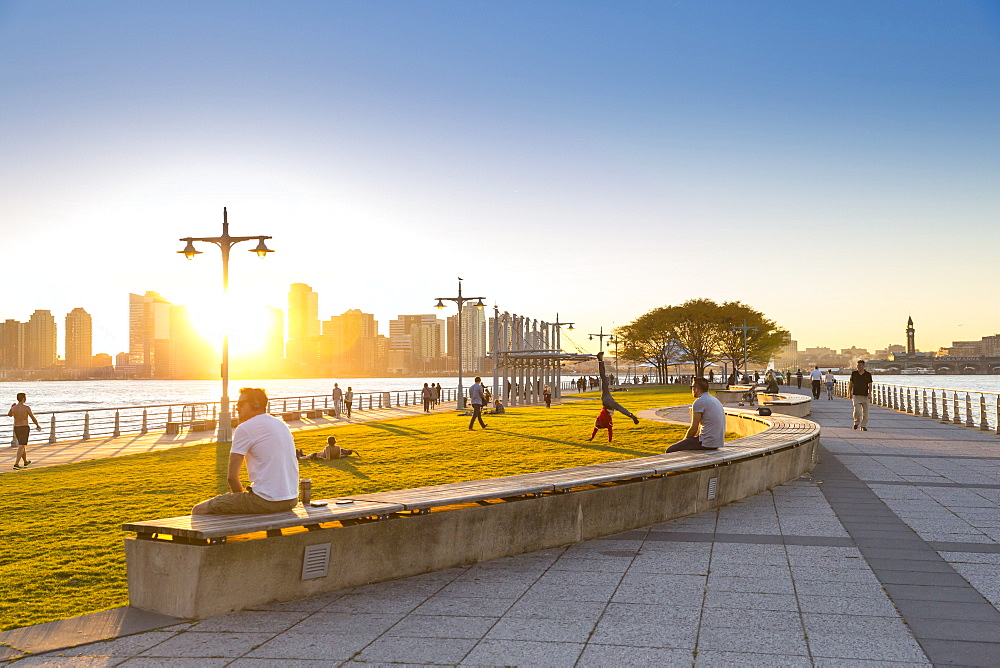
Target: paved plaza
886,555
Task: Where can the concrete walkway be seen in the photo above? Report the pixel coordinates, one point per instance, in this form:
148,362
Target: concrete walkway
41,453
886,555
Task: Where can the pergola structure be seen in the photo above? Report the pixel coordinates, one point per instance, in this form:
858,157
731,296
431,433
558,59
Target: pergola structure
527,356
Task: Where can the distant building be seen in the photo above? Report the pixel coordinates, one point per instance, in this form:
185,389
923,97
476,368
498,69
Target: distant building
191,356
349,345
79,340
303,350
101,360
12,344
787,356
474,346
911,346
417,343
149,334
40,340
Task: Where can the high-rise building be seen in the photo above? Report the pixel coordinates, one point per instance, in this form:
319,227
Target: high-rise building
349,346
191,356
149,334
12,346
418,342
79,339
40,340
473,338
303,350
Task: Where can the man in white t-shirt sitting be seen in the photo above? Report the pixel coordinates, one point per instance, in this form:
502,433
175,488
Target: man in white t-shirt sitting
708,421
267,446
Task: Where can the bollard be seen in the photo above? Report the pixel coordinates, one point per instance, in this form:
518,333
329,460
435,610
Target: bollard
998,415
298,406
984,425
170,414
214,416
968,411
909,403
314,403
284,405
944,407
117,431
934,414
145,426
52,429
956,415
924,413
895,399
86,426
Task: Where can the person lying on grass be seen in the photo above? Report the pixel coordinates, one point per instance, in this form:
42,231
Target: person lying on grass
603,421
331,451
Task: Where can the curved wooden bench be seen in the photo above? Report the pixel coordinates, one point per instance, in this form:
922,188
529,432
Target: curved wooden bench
187,566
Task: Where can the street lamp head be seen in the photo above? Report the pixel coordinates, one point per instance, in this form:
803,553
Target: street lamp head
480,304
189,250
439,305
261,250
590,336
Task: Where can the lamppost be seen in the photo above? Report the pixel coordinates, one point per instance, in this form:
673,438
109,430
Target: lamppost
744,329
600,338
225,242
558,336
460,301
614,340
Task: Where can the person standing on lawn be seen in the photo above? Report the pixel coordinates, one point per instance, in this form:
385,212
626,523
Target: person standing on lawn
349,399
338,398
478,398
427,394
266,445
547,396
21,412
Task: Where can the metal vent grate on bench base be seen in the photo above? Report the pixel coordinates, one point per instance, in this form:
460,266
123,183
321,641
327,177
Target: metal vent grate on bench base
713,487
316,561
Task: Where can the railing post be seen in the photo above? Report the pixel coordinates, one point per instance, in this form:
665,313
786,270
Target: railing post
968,411
284,405
214,415
86,425
909,402
944,407
984,424
52,429
299,405
956,415
118,431
924,412
895,398
998,415
145,427
934,413
314,403
170,414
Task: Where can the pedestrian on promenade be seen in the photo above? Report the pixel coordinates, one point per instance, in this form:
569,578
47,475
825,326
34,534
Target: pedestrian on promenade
708,421
816,376
348,399
338,398
860,388
21,412
798,378
476,396
266,445
711,375
331,451
427,394
547,395
604,421
606,399
437,394
831,382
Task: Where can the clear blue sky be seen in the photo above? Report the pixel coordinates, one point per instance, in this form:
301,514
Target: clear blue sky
595,158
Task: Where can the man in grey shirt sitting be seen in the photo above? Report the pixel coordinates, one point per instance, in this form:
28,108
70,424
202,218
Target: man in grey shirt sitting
708,421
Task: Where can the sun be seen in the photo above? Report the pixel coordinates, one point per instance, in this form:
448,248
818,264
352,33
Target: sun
253,328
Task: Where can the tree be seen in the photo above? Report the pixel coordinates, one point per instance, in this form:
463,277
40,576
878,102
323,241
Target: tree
648,340
761,342
695,326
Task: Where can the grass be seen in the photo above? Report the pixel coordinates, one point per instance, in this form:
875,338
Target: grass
62,550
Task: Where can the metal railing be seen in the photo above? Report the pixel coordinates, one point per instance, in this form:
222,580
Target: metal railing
197,416
975,409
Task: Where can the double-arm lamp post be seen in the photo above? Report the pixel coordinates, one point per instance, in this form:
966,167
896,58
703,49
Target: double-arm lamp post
225,242
744,329
460,301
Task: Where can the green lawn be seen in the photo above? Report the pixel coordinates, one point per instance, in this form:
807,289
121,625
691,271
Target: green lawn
60,534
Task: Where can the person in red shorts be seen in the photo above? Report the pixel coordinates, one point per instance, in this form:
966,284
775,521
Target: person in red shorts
603,421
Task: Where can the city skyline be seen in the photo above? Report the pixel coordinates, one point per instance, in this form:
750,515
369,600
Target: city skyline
833,166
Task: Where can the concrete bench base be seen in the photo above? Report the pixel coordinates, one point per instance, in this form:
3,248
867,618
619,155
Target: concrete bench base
196,581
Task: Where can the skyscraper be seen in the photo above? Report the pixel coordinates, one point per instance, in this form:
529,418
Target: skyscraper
148,333
12,333
418,342
349,346
79,339
40,340
303,328
473,338
190,356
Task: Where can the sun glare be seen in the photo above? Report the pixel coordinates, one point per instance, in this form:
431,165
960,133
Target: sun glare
249,324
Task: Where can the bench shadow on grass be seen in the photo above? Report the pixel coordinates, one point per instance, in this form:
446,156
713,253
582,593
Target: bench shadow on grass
600,447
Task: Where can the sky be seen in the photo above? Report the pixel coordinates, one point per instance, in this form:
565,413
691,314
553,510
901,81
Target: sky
835,165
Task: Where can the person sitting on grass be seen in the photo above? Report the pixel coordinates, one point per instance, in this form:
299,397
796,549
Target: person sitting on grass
603,421
331,451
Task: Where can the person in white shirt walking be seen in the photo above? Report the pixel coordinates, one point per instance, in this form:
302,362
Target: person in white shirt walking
831,382
478,399
816,376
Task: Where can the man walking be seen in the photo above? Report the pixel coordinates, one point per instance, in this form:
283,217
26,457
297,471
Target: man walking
338,397
266,445
816,376
860,388
477,399
21,412
708,421
427,394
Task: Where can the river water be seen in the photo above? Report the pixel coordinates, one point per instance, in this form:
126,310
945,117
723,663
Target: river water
960,383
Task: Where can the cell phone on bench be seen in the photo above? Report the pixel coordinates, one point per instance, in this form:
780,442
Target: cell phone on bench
317,504
345,502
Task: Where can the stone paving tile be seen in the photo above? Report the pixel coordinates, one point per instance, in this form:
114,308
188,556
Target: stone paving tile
567,592
208,645
866,647
173,662
832,624
879,606
361,604
838,589
542,630
285,663
539,608
763,585
622,655
666,615
484,589
752,640
772,620
579,578
717,659
524,653
752,601
446,651
73,661
342,622
311,604
605,564
330,646
437,626
856,663
465,607
251,620
680,635
120,647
